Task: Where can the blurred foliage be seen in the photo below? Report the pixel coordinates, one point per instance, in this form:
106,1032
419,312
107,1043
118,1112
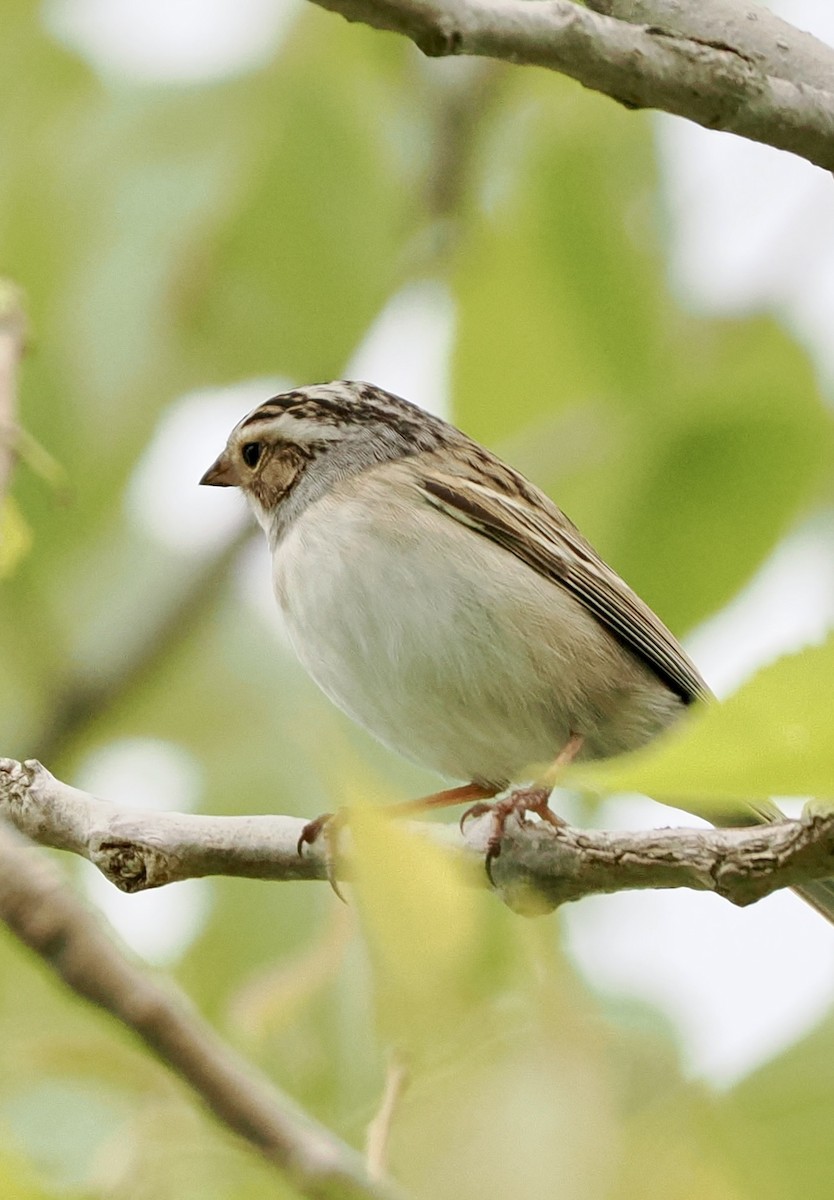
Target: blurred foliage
171,238
15,536
713,758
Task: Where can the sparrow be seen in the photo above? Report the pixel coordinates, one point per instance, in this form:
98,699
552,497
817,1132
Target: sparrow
447,605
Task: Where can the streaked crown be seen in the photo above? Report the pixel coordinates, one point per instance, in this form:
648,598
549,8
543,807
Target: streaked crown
344,409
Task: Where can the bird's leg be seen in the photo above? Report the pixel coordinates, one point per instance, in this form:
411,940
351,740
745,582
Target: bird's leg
563,759
331,824
445,799
313,830
523,800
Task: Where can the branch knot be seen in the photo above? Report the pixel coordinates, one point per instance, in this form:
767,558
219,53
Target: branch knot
128,865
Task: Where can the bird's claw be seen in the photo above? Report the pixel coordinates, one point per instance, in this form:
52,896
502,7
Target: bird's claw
329,825
312,831
474,810
518,804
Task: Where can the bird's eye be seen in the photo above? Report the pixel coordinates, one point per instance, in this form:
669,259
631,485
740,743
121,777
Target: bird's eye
251,452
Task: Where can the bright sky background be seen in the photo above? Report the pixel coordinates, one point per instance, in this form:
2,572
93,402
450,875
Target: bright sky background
752,229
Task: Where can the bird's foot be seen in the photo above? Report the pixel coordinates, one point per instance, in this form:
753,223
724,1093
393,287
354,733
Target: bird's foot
522,801
328,826
519,803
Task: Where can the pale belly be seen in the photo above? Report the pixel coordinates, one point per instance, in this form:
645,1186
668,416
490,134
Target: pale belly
477,673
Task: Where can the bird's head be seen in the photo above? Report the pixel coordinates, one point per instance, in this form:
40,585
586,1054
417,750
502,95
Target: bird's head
289,450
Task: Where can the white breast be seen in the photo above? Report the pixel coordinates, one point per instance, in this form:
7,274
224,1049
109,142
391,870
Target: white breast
446,647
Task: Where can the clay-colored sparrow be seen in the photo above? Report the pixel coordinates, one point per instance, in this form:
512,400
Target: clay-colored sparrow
444,602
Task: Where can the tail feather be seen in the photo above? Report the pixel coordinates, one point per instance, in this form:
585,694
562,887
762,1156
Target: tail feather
820,895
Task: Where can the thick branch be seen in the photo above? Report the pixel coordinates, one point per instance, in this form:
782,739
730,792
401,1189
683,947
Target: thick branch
538,869
777,47
37,906
642,66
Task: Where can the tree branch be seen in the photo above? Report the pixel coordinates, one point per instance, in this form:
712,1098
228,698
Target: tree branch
777,47
708,79
538,869
37,906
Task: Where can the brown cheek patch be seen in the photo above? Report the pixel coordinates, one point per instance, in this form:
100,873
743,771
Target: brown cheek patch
277,478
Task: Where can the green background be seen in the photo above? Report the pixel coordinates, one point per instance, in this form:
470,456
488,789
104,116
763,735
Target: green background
172,238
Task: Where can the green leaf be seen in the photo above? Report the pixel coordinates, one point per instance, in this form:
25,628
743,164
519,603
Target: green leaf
772,738
421,921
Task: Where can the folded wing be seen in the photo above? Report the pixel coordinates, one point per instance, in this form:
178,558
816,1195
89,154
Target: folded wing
542,537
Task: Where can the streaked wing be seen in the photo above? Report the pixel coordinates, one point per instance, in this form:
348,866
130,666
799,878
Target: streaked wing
527,524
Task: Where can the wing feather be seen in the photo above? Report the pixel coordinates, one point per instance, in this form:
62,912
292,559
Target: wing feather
531,527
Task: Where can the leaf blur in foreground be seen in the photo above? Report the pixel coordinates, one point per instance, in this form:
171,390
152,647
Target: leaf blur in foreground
15,536
421,920
772,738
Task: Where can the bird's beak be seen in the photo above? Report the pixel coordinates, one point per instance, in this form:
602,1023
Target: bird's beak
221,473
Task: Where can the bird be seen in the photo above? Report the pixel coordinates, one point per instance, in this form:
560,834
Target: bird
447,605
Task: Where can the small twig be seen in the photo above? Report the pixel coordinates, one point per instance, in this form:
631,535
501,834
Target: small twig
539,867
706,79
379,1129
37,906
